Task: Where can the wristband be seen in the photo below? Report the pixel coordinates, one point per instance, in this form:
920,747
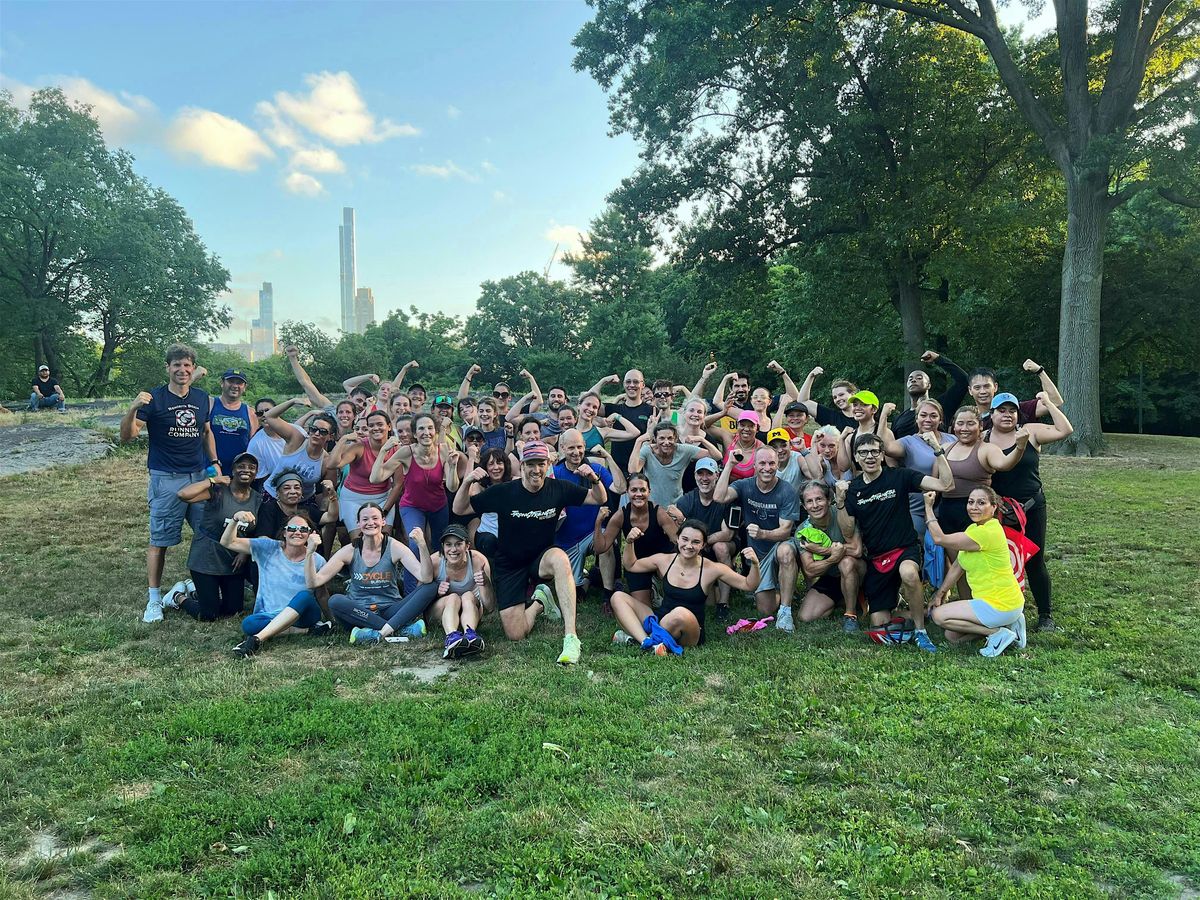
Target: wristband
1041,370
939,452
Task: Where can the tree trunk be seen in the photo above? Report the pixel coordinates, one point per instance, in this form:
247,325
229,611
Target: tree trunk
1079,313
907,298
103,374
46,352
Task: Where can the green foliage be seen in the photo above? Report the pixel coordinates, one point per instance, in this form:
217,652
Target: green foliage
90,248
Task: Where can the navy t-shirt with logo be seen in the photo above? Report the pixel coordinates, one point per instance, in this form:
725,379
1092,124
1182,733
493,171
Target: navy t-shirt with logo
175,426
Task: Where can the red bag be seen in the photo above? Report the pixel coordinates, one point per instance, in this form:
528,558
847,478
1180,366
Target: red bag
885,562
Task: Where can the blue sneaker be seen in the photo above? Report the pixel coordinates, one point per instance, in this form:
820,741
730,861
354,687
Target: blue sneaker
921,639
365,636
454,645
474,643
415,630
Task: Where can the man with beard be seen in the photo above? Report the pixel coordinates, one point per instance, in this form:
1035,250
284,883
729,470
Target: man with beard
546,417
231,421
918,390
527,511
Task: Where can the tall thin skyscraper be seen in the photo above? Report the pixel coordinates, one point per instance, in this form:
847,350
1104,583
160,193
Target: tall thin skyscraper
262,329
349,275
364,309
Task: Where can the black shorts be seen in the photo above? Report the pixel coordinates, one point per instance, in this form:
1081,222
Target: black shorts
952,514
639,581
829,584
883,588
512,582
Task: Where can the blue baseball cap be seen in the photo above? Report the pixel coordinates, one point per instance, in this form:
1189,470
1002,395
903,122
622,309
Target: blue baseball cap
1000,399
706,464
234,375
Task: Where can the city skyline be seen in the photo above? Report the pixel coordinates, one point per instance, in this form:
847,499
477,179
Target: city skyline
347,269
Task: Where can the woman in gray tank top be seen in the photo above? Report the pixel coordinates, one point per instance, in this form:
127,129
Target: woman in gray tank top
460,593
373,607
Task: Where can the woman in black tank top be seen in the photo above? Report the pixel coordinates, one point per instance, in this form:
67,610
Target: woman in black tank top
657,530
688,579
1024,484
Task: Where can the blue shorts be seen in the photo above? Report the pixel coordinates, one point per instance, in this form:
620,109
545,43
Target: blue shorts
167,511
990,617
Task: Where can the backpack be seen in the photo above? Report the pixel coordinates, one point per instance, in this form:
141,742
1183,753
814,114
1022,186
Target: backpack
1020,548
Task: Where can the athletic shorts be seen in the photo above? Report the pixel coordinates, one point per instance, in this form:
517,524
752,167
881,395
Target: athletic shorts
883,588
768,569
829,584
991,617
167,511
578,555
512,583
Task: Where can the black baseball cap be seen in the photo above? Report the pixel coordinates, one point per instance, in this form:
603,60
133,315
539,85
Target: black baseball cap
454,531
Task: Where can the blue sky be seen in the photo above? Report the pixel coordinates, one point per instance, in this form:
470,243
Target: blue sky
458,131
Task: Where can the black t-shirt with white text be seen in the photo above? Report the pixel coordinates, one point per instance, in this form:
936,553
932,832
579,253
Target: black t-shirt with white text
639,415
880,509
526,522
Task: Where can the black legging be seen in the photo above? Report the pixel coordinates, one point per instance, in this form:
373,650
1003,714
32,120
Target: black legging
1035,566
217,596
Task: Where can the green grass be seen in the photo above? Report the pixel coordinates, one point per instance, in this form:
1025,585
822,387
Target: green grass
760,766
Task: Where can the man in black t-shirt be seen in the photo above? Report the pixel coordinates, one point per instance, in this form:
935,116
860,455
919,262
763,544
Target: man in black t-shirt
632,406
876,502
527,512
45,392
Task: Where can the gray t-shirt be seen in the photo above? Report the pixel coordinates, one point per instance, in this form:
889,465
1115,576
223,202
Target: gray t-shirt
279,578
766,509
666,479
792,473
206,555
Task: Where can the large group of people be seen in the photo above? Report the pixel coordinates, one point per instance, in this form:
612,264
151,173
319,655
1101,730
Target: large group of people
395,512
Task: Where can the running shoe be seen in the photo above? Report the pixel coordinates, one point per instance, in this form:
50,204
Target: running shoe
660,650
154,611
1045,625
998,642
454,645
248,647
173,599
624,638
849,624
922,640
365,636
1019,627
571,650
415,630
321,629
543,595
783,620
474,643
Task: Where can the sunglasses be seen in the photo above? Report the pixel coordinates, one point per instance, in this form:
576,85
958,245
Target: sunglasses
297,529
324,432
501,394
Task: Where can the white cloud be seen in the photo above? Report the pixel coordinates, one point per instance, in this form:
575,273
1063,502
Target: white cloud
278,131
317,159
569,236
500,196
122,118
334,110
448,169
487,166
217,140
453,112
305,185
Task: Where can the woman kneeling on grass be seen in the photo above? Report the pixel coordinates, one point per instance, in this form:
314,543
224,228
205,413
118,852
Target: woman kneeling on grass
283,603
997,610
460,593
373,607
686,579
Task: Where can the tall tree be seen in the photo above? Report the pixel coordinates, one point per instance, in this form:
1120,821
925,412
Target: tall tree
1115,122
520,315
87,245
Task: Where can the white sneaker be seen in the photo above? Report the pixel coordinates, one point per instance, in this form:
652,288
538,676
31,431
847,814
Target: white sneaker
154,611
173,599
783,619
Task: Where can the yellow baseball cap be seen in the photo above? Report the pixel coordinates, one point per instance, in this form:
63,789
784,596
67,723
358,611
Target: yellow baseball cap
779,434
866,398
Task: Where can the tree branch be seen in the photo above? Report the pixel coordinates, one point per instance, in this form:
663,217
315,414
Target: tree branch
930,13
1179,199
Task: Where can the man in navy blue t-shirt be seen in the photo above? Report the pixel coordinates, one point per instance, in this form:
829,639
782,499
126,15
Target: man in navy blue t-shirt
181,449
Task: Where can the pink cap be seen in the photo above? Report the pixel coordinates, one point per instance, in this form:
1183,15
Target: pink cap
535,450
747,415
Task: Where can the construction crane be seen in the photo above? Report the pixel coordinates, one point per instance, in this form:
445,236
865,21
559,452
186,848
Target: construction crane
546,271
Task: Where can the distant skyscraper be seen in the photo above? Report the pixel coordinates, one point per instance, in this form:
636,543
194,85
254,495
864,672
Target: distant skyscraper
364,309
262,329
349,275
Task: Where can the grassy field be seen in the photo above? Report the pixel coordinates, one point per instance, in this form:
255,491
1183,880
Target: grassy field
145,761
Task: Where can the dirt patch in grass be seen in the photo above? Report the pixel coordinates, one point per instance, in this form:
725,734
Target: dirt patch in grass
34,448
